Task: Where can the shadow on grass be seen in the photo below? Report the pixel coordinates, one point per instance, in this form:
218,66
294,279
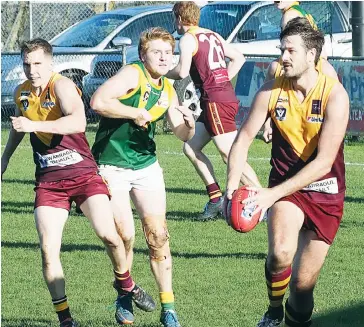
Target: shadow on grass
18,181
351,199
93,247
352,316
184,190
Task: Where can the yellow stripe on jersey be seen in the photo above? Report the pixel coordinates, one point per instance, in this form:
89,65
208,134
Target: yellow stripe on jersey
300,123
45,107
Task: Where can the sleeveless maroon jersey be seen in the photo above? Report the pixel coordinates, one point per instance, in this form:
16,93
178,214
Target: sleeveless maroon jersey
56,156
209,69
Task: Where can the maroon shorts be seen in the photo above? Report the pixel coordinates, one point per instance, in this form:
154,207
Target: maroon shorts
60,194
219,117
322,217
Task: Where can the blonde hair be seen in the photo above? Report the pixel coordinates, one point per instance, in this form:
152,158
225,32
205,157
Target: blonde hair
188,11
154,33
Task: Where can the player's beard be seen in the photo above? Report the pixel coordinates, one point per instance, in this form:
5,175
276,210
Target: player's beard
296,70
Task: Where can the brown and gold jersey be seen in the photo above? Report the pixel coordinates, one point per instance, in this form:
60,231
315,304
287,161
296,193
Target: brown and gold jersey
296,130
54,155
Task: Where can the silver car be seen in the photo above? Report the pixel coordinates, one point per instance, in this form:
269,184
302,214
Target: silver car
76,47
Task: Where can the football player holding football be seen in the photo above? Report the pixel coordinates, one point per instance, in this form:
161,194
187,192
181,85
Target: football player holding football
306,190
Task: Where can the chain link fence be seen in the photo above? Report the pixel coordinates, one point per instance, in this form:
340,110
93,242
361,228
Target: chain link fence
89,68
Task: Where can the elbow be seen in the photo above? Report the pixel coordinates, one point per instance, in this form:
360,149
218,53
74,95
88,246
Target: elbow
97,104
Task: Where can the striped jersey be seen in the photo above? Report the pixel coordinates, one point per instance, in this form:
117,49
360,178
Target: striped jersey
122,143
56,156
296,129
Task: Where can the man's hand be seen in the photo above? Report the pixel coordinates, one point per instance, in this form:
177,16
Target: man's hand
187,116
262,200
267,132
143,118
23,124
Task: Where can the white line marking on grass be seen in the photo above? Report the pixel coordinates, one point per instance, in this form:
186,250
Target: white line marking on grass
181,154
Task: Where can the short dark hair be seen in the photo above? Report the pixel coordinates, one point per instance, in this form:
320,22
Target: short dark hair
312,39
35,44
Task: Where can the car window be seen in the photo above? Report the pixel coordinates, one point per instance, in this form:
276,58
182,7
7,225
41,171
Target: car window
90,32
222,18
325,16
263,24
135,28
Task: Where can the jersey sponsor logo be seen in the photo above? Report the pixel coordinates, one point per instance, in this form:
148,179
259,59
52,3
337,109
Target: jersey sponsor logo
328,185
163,101
48,104
315,119
24,93
60,159
282,100
24,101
316,107
281,113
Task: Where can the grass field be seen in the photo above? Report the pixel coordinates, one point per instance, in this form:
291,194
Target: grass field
218,273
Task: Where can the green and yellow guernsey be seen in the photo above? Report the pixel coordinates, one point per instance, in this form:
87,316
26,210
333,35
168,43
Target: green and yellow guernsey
120,142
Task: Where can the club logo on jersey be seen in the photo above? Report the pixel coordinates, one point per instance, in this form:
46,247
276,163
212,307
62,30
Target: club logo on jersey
146,96
24,101
316,107
281,113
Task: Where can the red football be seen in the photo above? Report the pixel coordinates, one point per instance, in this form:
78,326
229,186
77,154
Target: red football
241,219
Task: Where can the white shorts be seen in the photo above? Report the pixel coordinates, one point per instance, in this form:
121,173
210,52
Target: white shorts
121,179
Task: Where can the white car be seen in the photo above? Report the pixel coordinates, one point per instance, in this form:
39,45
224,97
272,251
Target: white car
254,27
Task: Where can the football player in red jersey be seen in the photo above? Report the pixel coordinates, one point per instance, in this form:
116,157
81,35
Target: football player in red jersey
309,113
49,107
203,55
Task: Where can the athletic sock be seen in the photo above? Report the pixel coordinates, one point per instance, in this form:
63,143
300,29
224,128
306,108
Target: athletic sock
167,300
124,281
62,308
277,285
297,319
214,192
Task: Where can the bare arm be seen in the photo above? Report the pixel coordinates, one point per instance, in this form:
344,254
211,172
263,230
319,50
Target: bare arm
187,45
328,70
237,59
271,70
105,100
14,140
239,150
181,121
331,137
73,121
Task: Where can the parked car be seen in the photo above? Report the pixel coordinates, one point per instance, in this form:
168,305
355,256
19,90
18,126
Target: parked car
73,47
253,27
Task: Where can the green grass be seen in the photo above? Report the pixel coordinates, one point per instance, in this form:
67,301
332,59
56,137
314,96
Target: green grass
218,273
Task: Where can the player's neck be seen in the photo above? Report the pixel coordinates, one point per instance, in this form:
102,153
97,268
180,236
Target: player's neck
186,28
39,89
305,82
